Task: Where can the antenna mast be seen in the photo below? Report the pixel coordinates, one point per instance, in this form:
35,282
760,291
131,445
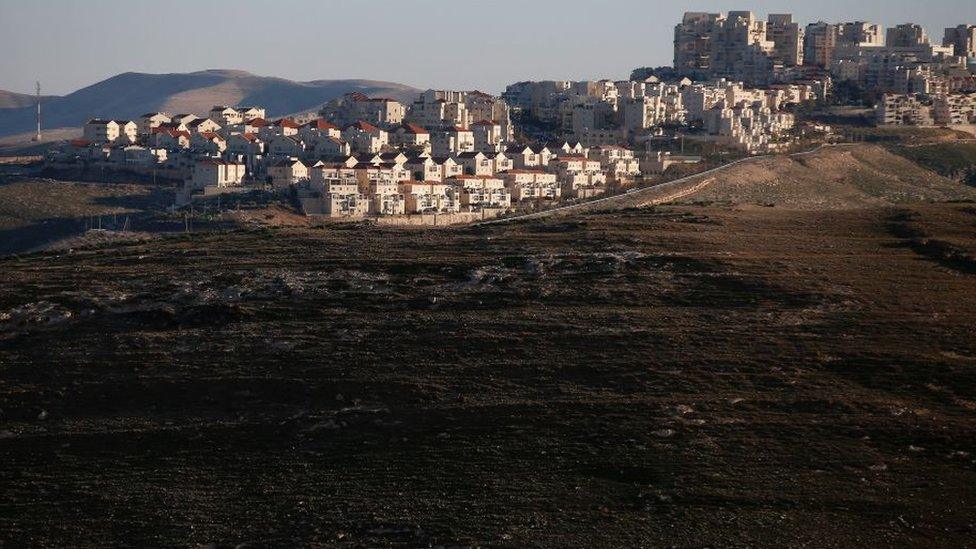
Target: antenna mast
38,136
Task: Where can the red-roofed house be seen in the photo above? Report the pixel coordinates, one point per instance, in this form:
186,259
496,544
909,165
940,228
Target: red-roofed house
365,137
409,135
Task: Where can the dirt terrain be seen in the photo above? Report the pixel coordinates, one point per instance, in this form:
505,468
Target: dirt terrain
680,376
35,212
835,178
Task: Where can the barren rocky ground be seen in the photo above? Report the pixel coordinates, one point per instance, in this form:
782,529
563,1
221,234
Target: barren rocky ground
683,376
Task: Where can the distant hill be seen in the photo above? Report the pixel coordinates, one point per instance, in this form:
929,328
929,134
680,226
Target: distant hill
131,94
13,100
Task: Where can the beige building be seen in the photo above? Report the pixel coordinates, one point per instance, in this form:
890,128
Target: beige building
284,173
341,198
424,168
385,198
364,137
620,163
532,184
479,192
213,173
98,130
954,109
356,106
962,39
426,197
152,120
203,125
907,35
226,116
451,140
476,164
820,41
410,136
787,38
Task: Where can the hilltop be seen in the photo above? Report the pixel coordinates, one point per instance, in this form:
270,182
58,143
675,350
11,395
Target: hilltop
836,178
131,94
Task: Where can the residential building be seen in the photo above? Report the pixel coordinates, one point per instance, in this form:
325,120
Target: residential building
962,40
356,106
365,138
287,172
476,193
150,121
226,116
787,38
386,199
428,197
98,130
410,136
532,184
214,173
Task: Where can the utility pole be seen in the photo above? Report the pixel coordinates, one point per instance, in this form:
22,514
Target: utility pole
37,137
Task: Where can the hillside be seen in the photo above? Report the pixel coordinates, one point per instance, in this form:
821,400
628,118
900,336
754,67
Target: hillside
844,177
132,94
13,100
667,377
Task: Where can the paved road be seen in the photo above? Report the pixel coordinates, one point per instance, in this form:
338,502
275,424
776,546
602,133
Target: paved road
641,190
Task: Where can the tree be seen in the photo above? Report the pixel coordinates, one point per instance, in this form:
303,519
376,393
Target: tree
665,74
970,177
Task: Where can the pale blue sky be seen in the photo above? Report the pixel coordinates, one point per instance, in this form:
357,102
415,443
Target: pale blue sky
485,44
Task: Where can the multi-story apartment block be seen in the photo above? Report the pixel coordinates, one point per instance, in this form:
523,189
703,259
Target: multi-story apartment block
787,38
385,198
98,130
288,172
819,43
354,107
962,40
532,184
737,46
954,109
340,197
429,197
364,137
904,110
693,43
907,35
451,140
488,136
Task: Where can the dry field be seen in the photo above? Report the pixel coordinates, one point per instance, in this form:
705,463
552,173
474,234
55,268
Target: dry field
683,376
38,212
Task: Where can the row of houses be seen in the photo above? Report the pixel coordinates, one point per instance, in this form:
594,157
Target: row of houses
448,152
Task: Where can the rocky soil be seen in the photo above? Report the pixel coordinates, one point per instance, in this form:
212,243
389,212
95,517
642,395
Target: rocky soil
682,376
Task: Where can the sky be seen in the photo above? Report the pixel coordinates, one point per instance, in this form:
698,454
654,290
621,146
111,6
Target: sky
459,44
